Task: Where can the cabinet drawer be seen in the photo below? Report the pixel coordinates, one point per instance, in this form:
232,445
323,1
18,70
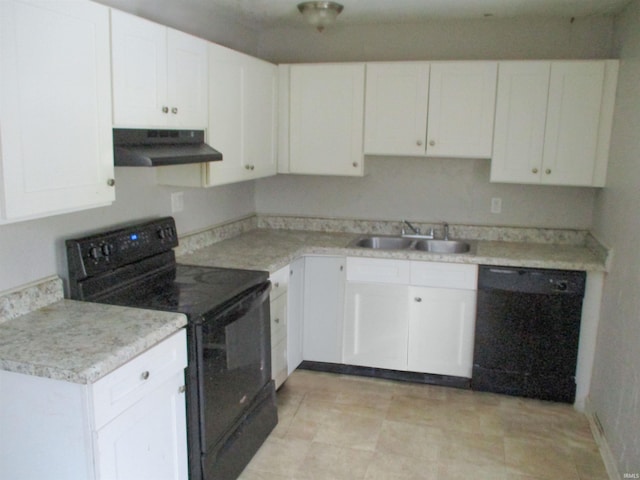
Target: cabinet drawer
444,275
278,319
279,282
125,386
375,270
279,366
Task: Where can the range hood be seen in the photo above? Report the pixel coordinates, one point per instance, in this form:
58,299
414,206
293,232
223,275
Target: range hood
157,148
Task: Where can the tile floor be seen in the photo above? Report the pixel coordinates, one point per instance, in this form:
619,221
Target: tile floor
344,427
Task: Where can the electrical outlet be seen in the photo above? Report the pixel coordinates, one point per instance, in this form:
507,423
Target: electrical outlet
177,202
496,205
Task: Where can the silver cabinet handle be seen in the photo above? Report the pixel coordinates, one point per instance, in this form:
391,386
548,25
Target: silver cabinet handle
111,182
174,110
182,389
144,375
534,170
165,109
419,142
432,143
418,299
547,171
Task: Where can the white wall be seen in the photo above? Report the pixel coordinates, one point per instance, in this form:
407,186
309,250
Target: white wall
434,189
615,392
33,250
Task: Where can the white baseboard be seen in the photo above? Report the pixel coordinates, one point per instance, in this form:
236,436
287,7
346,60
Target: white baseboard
601,440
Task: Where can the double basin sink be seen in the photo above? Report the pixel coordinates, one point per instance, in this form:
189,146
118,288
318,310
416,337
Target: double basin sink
407,243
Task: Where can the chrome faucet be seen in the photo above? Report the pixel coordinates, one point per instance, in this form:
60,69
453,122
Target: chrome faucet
417,233
445,227
414,229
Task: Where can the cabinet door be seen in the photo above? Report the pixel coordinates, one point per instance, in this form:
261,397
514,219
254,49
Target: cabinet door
396,108
260,122
139,56
462,99
279,339
227,76
521,108
441,328
295,297
376,325
149,439
55,114
323,309
326,119
573,117
187,76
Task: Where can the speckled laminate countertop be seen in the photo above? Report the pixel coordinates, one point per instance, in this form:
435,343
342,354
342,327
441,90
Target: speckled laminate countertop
81,342
268,249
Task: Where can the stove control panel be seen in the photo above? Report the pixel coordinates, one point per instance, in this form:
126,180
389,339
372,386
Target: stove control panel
99,253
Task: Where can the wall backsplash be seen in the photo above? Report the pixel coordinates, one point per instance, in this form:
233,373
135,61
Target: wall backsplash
426,189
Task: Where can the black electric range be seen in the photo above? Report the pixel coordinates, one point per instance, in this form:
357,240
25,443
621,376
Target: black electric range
230,395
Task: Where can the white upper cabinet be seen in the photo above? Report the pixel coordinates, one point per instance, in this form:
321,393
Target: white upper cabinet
159,75
242,122
442,109
325,124
55,108
397,95
462,98
242,116
553,122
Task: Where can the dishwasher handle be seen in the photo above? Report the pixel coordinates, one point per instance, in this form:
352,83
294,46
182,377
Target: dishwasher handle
531,280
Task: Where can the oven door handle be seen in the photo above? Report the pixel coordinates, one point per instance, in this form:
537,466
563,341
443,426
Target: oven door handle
243,303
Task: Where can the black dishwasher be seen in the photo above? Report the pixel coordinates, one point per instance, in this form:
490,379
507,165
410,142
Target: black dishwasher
527,332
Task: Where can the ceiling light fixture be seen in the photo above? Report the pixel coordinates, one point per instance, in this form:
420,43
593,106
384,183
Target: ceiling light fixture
320,14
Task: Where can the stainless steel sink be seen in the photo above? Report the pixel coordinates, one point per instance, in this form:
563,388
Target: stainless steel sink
443,246
407,243
384,243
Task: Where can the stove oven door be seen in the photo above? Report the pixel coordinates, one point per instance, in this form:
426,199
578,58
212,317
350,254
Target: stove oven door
234,380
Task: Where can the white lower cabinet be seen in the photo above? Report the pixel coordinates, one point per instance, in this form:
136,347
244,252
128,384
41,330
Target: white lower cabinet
441,329
375,328
410,316
323,309
279,321
130,424
295,302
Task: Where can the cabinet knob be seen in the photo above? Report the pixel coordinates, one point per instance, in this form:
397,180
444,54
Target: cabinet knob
419,142
182,389
547,171
534,170
432,143
144,375
111,182
418,299
355,164
174,110
249,167
165,109
341,268
276,284
277,320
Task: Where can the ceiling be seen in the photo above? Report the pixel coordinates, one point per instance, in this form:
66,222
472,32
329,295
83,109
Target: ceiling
265,14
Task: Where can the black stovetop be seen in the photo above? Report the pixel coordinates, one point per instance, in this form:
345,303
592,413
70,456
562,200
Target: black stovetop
189,289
